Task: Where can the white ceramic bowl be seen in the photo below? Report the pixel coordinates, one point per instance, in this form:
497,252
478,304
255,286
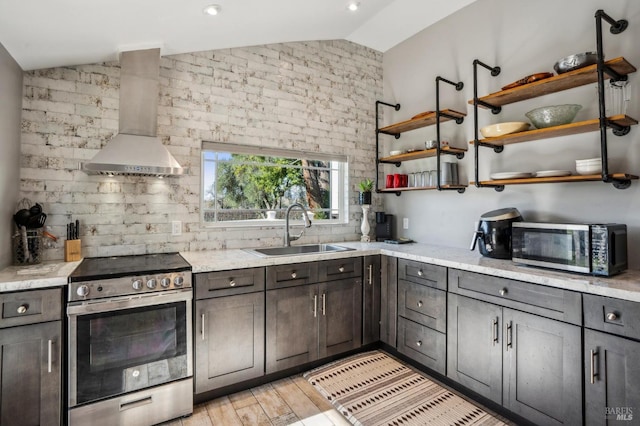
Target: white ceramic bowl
501,129
395,153
590,166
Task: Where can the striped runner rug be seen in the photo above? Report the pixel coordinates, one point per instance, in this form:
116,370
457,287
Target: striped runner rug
373,388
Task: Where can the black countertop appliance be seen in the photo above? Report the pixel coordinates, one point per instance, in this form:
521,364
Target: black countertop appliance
384,226
493,235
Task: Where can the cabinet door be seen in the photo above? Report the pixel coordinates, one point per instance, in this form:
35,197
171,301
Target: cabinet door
340,316
474,345
229,340
292,327
371,300
615,390
389,300
30,374
542,369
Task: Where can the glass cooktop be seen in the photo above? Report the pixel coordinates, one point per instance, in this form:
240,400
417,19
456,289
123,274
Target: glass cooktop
97,268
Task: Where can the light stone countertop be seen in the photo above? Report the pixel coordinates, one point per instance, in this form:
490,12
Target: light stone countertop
623,286
41,275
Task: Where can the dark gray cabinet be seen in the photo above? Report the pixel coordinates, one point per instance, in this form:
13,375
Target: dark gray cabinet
422,309
611,361
526,362
371,299
306,322
389,300
30,358
229,327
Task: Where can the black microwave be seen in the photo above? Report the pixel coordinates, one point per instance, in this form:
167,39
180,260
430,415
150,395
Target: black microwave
585,248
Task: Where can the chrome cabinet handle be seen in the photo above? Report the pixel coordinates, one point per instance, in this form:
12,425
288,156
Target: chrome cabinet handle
509,335
315,305
503,292
419,303
294,275
420,273
495,331
371,274
23,308
341,269
419,343
232,282
49,355
611,316
202,326
324,304
593,366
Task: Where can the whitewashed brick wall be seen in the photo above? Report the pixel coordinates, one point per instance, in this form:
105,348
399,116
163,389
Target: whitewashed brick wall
313,96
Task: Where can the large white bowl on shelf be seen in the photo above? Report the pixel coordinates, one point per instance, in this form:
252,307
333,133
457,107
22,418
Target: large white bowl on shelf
589,166
501,129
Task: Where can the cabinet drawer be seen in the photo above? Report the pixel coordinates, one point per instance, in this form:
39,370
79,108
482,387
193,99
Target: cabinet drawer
555,303
281,276
616,316
422,273
226,283
339,269
422,344
30,307
424,305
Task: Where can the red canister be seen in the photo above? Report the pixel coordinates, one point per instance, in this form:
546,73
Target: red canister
397,180
390,182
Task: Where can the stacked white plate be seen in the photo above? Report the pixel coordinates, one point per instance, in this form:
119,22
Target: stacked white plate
589,166
552,173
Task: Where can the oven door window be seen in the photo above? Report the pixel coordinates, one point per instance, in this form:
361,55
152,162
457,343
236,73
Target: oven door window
126,350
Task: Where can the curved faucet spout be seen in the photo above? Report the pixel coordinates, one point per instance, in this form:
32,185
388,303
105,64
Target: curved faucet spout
307,224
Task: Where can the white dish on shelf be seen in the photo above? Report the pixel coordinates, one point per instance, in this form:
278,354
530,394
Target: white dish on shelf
392,153
510,175
552,173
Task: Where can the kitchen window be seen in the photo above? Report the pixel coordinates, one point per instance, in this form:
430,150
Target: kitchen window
244,186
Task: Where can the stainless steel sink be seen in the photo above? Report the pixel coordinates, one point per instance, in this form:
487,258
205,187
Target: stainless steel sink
297,250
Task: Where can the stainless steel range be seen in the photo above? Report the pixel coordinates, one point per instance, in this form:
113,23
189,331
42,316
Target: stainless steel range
130,342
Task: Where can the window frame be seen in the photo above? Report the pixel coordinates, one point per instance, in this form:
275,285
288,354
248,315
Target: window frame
342,186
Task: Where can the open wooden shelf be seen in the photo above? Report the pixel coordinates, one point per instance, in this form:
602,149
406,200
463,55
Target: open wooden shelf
420,188
557,83
557,131
425,153
572,178
417,123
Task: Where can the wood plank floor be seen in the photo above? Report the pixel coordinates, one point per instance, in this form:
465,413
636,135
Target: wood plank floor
290,401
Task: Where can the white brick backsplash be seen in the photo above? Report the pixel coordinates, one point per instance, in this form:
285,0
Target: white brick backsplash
315,96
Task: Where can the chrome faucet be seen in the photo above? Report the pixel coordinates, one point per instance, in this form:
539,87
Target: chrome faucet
307,224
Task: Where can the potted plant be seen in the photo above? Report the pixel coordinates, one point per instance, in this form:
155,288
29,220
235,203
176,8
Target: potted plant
366,186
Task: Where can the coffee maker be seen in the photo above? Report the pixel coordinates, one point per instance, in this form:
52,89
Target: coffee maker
384,226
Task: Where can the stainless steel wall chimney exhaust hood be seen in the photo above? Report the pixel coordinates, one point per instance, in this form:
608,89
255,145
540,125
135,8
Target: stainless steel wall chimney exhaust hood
136,150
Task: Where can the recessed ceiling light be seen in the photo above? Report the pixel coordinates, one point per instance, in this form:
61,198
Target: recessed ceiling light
212,9
353,6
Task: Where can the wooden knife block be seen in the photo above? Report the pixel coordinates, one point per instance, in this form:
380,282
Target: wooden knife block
72,250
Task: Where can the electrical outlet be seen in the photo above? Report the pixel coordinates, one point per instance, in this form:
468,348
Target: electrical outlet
176,227
405,223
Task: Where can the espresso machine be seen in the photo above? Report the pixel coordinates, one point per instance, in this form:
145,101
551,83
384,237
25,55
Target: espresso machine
384,226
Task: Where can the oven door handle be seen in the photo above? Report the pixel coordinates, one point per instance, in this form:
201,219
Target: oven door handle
109,305
136,403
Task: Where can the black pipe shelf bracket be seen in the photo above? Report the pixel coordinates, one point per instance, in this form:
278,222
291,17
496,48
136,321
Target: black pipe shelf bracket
459,120
616,27
495,71
397,108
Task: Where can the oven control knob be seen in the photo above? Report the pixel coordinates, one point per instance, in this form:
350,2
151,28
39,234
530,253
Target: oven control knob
137,285
151,283
165,282
83,290
178,281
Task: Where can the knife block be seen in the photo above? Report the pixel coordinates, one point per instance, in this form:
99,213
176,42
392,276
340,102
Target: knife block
72,250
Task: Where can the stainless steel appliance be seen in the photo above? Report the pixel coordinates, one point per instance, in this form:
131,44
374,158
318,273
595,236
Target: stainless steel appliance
586,248
130,341
494,233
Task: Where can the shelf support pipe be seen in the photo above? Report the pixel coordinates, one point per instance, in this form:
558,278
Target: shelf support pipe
459,85
616,28
495,71
397,108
